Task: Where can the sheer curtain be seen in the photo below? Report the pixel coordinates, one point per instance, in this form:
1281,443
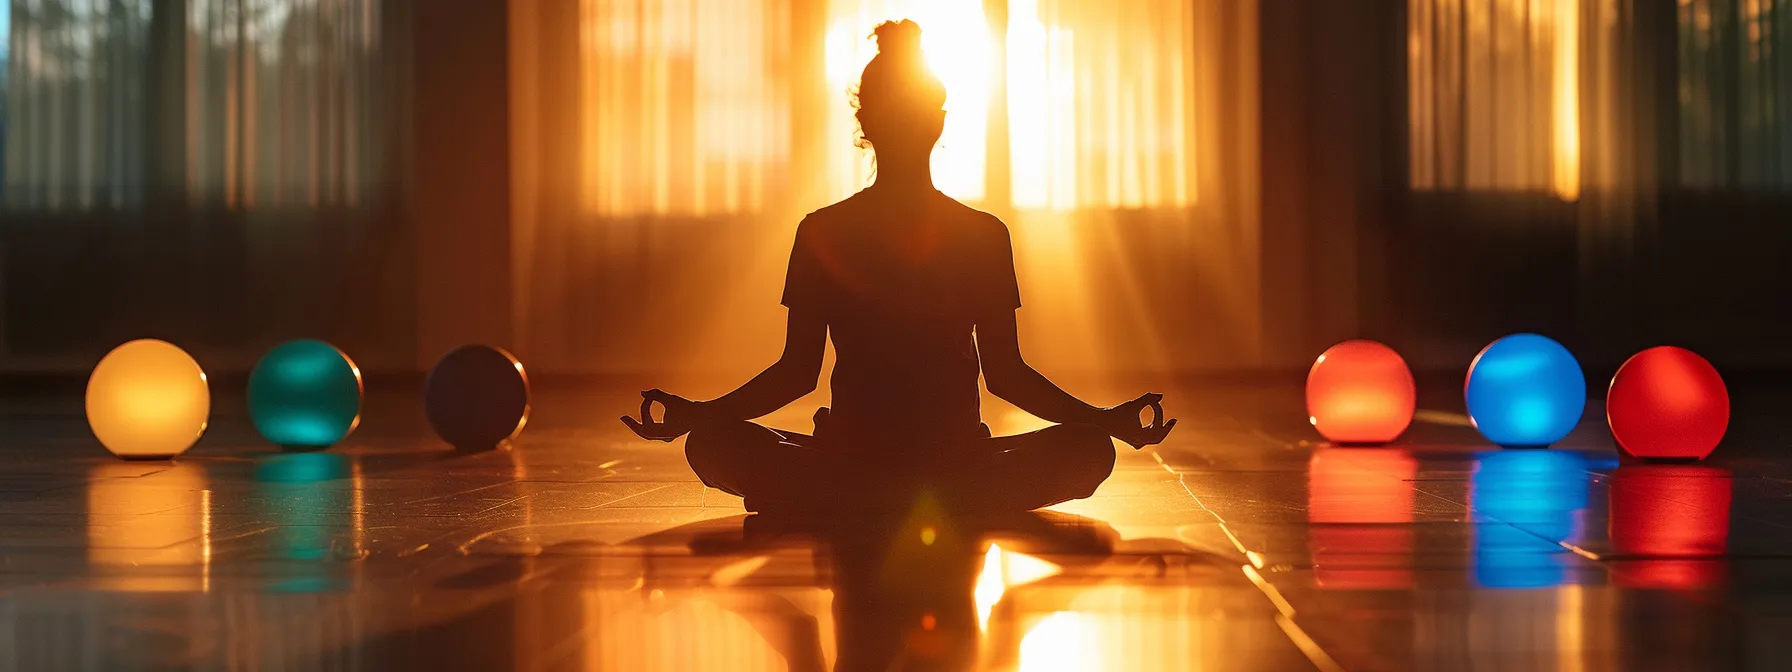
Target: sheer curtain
1101,104
665,150
685,106
652,142
1133,172
1659,135
1735,103
220,172
76,104
250,104
282,109
1494,95
1533,138
1509,94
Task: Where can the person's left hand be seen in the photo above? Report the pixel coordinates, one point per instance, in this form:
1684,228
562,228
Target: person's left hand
1122,421
680,417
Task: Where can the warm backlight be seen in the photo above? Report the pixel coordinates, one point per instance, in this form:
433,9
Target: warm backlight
148,399
1525,390
305,395
1360,392
956,38
477,397
1667,402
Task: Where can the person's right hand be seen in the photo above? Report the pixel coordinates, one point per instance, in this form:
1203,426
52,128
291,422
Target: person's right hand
680,417
1122,421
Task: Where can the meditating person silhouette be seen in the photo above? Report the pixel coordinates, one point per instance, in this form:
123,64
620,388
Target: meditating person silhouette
918,292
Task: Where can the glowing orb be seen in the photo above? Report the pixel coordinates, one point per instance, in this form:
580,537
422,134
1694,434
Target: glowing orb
1667,402
1360,392
1525,390
477,397
147,399
305,395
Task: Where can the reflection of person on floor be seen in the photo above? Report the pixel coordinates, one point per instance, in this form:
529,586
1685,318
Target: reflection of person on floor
901,277
901,599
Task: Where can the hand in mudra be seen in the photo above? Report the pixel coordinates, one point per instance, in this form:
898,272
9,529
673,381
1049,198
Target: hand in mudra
1122,421
680,416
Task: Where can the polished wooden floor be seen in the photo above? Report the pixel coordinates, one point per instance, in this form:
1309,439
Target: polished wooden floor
1240,544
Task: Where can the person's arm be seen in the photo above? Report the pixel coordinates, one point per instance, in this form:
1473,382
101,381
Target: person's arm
1010,377
792,376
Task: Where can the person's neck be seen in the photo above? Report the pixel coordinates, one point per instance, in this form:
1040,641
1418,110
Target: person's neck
904,176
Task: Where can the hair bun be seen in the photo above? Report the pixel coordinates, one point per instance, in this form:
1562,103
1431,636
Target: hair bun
899,39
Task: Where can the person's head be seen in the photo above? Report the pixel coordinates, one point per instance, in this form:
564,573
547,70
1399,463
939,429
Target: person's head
900,101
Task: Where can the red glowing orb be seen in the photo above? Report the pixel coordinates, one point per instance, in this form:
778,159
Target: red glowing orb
1360,392
1667,402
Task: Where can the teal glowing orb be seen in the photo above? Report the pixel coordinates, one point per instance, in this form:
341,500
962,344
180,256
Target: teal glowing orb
305,395
1525,390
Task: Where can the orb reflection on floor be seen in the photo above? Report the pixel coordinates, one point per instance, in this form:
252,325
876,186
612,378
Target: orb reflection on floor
1524,505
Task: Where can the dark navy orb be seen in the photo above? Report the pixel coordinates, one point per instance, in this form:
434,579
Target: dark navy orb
1525,390
477,397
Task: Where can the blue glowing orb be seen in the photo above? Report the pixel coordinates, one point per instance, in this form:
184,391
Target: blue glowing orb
1525,390
305,395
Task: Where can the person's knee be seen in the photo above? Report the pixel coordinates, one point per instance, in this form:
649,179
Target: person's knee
1088,454
714,451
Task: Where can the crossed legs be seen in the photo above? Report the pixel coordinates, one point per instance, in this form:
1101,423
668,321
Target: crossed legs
769,467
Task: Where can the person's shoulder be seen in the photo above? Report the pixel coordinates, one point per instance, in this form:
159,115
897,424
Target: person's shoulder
830,216
979,221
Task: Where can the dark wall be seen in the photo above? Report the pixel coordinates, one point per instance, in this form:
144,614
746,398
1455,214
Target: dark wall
1328,159
460,182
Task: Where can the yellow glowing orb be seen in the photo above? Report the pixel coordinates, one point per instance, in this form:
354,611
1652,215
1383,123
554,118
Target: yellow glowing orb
148,399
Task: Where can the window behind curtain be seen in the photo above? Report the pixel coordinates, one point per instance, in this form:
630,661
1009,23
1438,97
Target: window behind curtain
1503,93
956,39
280,104
5,70
1493,95
1735,93
1101,104
75,104
686,105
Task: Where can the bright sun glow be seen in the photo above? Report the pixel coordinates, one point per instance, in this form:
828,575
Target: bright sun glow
1064,640
1003,570
1566,111
958,44
1041,106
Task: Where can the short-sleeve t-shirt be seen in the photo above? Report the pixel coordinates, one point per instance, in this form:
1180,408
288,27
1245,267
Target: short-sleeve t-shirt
901,286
